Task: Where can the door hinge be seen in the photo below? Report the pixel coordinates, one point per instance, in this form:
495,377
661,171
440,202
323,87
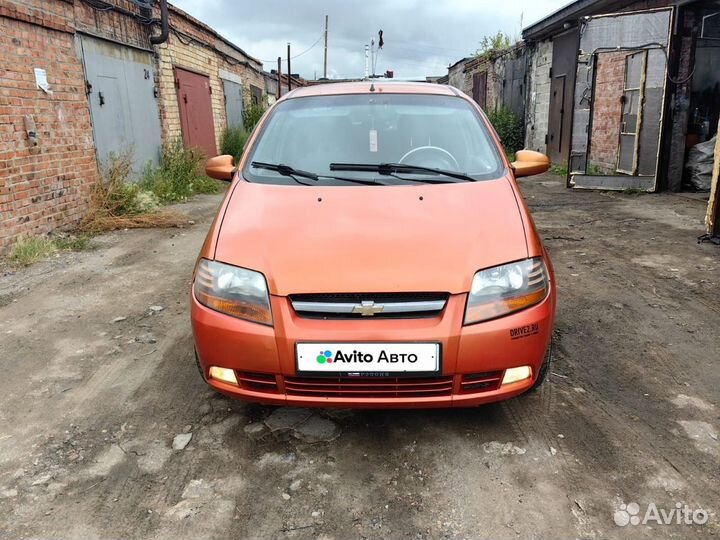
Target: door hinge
550,73
546,138
88,88
177,83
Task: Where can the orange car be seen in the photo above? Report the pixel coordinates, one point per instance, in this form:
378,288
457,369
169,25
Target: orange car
373,250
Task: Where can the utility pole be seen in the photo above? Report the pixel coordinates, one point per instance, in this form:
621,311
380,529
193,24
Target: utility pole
372,56
325,55
278,92
367,68
289,73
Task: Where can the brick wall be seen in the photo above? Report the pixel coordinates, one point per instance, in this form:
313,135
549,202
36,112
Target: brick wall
114,25
538,106
197,48
460,75
609,83
45,186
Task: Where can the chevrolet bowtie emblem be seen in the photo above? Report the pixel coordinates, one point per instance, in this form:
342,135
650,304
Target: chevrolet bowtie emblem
368,308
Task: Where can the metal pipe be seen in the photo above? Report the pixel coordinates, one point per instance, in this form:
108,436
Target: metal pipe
164,25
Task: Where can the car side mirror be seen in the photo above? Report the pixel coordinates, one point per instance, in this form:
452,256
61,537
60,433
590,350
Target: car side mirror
221,167
529,163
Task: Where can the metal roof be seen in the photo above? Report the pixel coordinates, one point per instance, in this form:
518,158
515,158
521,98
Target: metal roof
570,14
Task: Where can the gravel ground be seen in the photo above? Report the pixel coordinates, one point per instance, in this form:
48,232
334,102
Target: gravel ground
107,430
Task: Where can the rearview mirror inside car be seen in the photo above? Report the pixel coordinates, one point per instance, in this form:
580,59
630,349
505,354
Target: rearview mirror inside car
529,163
221,167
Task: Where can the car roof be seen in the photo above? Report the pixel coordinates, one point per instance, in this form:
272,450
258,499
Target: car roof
380,86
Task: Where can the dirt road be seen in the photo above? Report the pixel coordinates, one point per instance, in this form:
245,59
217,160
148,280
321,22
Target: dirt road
98,382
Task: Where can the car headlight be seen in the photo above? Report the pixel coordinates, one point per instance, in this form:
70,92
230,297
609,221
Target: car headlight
505,289
234,291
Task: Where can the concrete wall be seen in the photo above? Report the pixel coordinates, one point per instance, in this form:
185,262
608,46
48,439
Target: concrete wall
456,76
538,106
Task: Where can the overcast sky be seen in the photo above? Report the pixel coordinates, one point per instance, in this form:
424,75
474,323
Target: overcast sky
422,37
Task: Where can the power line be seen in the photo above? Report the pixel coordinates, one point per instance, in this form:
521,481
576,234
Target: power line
305,51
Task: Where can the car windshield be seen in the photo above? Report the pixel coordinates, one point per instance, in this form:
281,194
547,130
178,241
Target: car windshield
431,131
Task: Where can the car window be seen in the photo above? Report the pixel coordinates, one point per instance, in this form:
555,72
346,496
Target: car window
309,133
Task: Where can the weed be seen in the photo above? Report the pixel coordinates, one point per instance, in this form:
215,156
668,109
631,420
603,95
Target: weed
30,249
117,203
27,250
233,142
178,176
251,116
73,242
560,170
509,128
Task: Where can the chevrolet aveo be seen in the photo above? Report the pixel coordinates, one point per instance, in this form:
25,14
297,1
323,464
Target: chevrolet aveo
373,250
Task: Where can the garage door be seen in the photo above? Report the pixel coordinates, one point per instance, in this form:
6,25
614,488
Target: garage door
643,38
233,103
196,116
123,107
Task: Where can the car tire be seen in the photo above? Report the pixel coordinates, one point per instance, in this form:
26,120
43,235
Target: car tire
200,369
544,368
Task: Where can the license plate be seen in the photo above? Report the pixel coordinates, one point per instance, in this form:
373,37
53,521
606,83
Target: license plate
368,357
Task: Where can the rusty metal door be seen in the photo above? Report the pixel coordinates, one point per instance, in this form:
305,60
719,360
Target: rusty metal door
121,92
562,79
513,85
479,88
196,115
557,145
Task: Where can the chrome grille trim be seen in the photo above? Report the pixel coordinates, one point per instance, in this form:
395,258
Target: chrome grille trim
348,308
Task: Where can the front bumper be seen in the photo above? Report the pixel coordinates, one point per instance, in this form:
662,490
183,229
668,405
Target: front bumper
474,357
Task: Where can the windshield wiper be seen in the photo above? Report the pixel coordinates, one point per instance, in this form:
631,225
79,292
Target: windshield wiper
287,170
390,169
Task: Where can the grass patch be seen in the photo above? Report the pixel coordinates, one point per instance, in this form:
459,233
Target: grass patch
30,249
179,176
233,142
27,250
560,170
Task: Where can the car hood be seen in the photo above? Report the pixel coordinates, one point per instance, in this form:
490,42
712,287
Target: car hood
371,239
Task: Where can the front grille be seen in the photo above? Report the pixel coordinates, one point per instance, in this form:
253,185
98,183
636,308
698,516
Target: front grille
260,382
369,305
481,382
369,387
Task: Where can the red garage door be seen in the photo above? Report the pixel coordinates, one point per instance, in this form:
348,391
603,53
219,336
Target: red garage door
196,115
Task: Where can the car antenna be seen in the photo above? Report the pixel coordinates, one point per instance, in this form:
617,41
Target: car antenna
372,87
